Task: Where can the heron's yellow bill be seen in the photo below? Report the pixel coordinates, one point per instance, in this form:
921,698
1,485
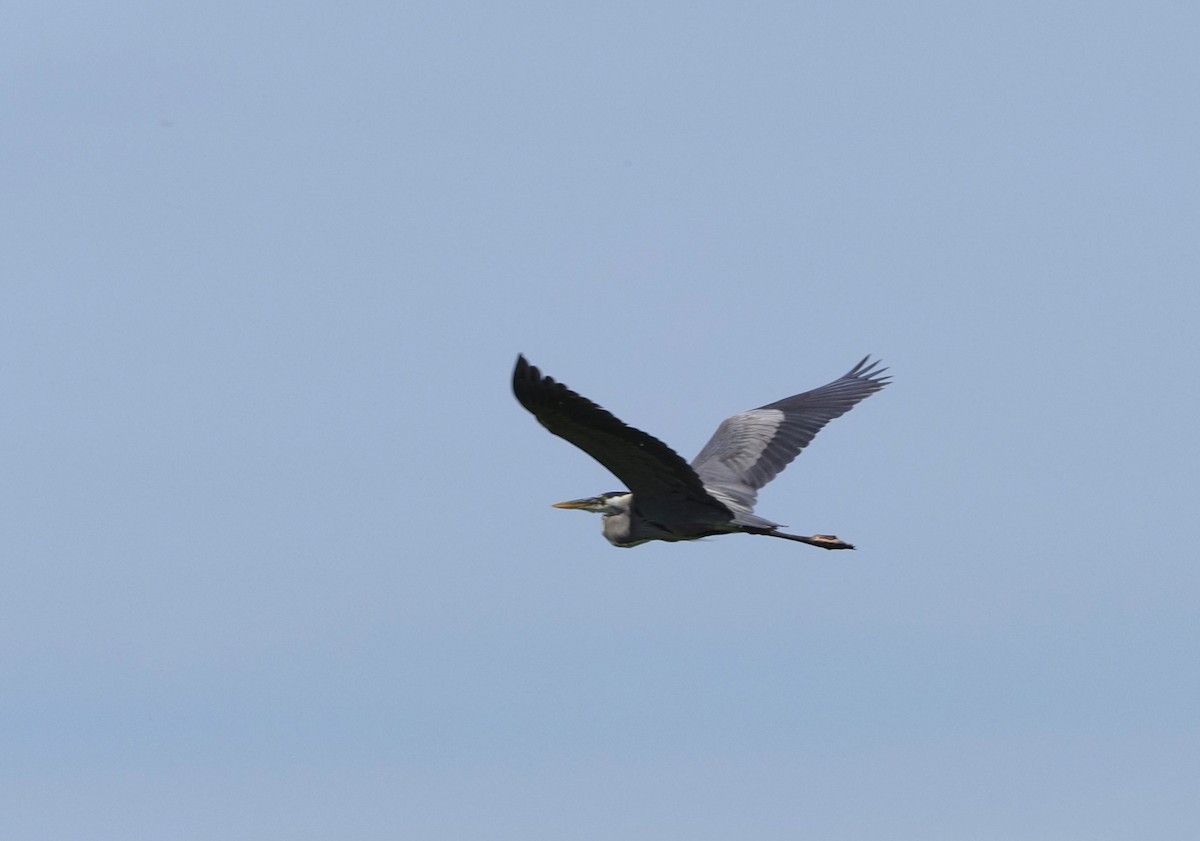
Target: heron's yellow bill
575,503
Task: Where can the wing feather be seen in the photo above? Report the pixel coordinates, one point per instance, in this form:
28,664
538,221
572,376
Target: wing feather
750,449
647,466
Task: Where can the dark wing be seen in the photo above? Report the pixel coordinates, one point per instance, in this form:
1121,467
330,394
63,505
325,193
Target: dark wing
750,449
647,466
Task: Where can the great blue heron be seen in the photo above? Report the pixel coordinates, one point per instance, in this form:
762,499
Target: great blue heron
668,499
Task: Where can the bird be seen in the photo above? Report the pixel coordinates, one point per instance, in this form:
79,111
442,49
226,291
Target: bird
668,499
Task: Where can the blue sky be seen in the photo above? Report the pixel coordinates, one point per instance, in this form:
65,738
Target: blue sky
279,556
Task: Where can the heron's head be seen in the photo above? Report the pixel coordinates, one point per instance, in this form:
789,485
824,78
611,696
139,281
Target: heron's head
613,502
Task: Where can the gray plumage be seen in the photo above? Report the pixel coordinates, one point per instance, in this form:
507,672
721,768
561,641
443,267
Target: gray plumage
668,499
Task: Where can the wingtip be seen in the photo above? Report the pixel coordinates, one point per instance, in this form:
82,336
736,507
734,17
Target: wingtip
869,369
520,374
527,376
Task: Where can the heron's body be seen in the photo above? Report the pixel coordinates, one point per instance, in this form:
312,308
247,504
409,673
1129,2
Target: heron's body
670,500
629,526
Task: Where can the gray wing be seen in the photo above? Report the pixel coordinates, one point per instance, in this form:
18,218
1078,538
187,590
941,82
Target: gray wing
749,450
647,466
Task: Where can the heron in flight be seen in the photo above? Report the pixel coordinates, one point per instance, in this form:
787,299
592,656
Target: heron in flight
669,499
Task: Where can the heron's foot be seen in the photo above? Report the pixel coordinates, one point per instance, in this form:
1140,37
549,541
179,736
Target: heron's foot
830,541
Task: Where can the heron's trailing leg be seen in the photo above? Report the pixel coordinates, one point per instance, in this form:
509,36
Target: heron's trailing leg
825,541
